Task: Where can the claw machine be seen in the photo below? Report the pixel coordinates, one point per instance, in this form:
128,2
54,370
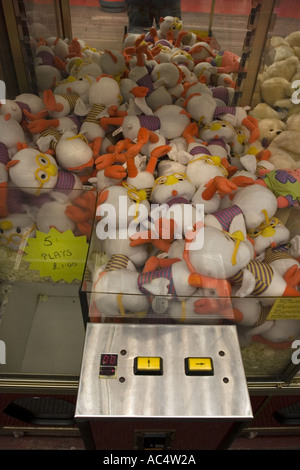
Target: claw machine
157,361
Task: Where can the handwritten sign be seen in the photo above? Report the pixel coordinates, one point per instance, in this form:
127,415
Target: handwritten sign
285,309
60,256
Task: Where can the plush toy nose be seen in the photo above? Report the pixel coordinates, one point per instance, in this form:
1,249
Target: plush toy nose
171,180
52,169
268,232
216,159
215,126
6,225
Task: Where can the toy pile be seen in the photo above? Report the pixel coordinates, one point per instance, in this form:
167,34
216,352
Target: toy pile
278,101
155,124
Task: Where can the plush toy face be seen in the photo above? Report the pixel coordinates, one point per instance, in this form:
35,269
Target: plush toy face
268,233
33,171
15,229
173,186
269,129
218,130
80,86
239,141
170,23
182,57
202,168
12,108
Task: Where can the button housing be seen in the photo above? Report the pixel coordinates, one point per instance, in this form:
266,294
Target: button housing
198,366
148,365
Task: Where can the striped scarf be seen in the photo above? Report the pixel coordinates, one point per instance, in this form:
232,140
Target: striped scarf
262,272
71,98
147,277
277,253
116,262
93,114
225,216
152,123
54,136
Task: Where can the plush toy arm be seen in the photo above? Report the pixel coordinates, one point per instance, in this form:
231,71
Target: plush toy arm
116,172
50,101
292,276
40,115
248,284
220,185
105,160
40,125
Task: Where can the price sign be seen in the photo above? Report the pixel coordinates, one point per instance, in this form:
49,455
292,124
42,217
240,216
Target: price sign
60,256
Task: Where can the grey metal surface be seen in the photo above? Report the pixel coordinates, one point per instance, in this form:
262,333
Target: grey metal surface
173,394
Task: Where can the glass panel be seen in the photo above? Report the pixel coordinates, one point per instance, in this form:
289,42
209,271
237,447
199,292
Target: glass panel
43,246
101,23
42,19
93,112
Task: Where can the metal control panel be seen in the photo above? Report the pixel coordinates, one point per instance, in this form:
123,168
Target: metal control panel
162,371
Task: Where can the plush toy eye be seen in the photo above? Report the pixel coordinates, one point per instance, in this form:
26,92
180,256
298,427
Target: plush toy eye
179,176
161,180
42,175
18,230
43,160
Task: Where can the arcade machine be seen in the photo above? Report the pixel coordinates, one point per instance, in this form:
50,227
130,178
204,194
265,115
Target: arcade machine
146,373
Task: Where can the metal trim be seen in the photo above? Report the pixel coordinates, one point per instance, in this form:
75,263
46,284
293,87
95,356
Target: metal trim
15,44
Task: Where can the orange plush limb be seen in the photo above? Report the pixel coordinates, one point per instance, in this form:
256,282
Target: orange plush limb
50,101
220,185
39,125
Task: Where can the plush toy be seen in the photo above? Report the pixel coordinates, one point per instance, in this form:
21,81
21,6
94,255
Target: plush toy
74,154
17,108
112,63
285,184
172,212
203,109
169,27
15,229
277,334
251,205
37,173
225,61
284,149
276,91
11,133
284,68
169,120
270,233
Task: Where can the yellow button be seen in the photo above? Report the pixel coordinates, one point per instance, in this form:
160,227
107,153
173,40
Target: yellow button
199,366
148,365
